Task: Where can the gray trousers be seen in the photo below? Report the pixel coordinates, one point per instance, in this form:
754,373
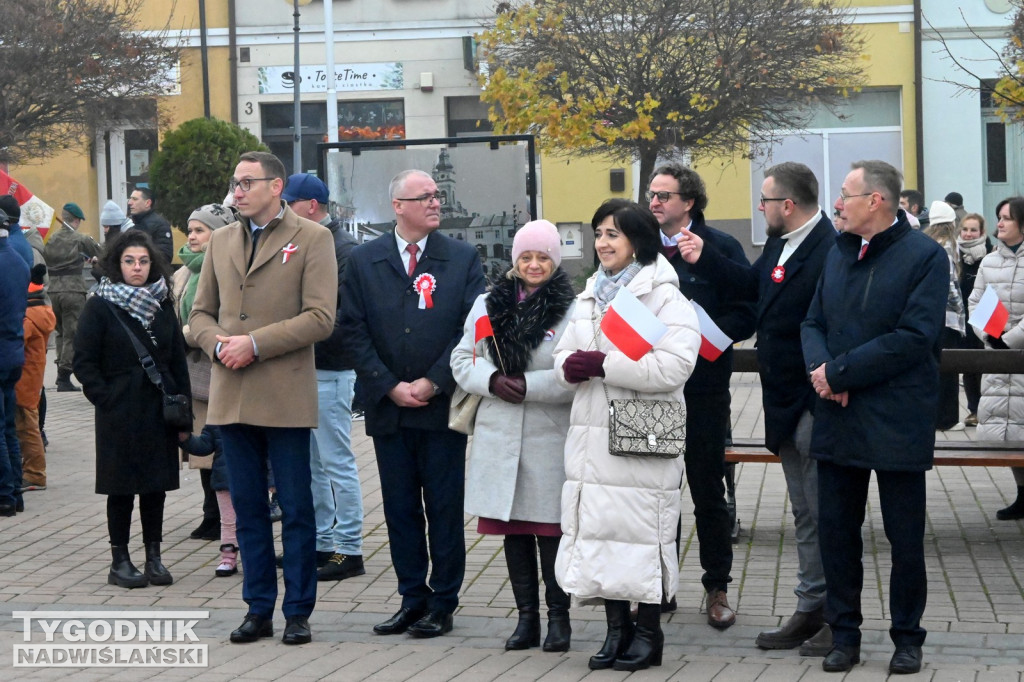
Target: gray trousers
802,481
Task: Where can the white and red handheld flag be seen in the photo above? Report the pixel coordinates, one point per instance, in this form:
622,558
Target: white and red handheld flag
631,326
990,315
713,341
482,328
34,212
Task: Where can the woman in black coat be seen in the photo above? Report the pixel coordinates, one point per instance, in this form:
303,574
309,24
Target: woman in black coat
136,452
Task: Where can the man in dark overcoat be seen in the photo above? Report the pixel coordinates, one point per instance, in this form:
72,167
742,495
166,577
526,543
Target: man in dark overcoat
783,280
871,347
404,299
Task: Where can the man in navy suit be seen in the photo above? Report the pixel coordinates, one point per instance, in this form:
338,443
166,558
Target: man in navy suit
404,301
783,280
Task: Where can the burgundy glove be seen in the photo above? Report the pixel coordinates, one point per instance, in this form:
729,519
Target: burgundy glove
510,388
582,365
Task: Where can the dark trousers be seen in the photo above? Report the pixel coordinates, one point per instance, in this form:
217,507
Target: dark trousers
949,386
211,511
422,481
10,449
247,449
707,423
972,382
119,517
842,499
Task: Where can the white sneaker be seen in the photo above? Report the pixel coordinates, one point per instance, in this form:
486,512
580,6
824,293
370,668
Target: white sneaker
959,426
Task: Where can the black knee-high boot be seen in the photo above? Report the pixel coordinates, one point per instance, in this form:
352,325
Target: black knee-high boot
648,640
559,628
521,557
620,634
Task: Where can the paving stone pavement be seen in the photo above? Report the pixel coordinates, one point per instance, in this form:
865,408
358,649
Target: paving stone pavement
55,557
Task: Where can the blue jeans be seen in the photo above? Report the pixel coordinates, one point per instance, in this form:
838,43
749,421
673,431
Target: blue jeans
10,450
247,449
337,497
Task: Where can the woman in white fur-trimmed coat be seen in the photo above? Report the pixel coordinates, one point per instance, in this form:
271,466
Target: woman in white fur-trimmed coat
619,514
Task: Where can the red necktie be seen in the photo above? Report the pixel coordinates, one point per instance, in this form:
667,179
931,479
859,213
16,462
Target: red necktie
863,250
412,249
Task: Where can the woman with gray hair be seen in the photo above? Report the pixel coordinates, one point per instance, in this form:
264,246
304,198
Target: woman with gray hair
218,514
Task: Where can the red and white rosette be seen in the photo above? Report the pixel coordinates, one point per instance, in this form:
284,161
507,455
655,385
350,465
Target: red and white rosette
425,285
288,251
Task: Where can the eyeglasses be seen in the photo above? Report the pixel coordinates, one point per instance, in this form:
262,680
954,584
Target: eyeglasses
662,196
424,199
131,262
765,200
847,197
244,183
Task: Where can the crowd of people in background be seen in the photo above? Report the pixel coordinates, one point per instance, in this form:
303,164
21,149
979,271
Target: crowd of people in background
184,364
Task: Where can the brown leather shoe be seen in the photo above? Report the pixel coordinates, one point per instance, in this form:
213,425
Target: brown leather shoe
720,615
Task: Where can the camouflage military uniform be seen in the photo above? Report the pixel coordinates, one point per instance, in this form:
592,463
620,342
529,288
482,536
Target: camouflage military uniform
66,253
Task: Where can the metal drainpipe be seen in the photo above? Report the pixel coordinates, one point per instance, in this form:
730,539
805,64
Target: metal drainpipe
918,105
204,53
233,61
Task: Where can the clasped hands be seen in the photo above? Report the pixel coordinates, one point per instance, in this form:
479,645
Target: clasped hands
412,394
824,391
583,365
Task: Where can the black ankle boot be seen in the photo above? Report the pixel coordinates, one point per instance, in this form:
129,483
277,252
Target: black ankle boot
122,572
559,628
648,640
155,570
620,634
521,557
1015,510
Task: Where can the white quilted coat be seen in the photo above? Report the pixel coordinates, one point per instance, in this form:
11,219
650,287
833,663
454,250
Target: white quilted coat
619,514
1001,408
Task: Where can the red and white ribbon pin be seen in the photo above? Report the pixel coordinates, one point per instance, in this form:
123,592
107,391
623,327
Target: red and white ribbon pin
425,285
288,251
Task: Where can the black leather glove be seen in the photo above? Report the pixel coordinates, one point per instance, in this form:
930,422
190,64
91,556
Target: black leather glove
510,388
583,365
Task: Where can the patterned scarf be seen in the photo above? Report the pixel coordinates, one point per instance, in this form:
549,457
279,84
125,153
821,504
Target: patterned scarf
142,303
194,263
606,286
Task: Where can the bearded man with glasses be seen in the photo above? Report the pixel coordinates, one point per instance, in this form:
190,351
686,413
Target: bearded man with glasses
267,292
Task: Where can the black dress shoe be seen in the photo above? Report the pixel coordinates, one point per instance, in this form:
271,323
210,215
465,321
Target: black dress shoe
252,628
841,659
208,529
800,627
7,510
906,660
400,622
434,624
296,631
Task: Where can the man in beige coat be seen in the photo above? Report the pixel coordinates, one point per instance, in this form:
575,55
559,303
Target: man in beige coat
267,292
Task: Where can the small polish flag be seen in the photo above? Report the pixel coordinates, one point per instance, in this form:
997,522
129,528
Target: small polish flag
713,341
631,326
481,324
990,315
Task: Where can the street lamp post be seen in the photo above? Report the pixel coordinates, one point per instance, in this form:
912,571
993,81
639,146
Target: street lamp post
296,84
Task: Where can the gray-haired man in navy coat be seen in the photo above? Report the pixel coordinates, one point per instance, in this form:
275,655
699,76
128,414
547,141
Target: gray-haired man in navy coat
404,301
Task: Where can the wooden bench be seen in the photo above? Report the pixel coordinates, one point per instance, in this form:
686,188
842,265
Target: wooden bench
958,454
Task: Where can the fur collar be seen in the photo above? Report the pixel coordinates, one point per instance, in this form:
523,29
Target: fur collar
519,328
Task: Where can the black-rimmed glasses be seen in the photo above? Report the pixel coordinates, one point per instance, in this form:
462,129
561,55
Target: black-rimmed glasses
244,183
424,199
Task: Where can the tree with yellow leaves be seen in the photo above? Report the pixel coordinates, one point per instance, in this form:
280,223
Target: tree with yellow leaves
635,79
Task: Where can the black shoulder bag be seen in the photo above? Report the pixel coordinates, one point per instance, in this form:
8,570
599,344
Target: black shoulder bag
177,407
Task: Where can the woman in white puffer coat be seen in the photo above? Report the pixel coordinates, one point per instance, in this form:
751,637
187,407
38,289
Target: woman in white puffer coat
1001,408
619,514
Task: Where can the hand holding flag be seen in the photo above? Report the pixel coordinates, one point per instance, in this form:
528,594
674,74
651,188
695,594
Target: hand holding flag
990,315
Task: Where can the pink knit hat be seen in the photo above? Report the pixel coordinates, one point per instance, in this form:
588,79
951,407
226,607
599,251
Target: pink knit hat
538,235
